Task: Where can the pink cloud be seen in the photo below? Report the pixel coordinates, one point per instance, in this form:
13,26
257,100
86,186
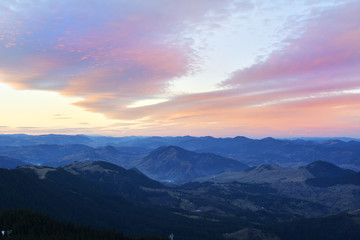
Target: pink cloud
326,53
226,112
80,48
117,52
296,91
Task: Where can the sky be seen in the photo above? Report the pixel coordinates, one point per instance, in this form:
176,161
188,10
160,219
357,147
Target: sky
282,68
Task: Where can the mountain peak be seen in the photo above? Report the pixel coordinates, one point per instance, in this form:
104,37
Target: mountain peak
172,163
171,147
325,169
268,139
241,138
170,151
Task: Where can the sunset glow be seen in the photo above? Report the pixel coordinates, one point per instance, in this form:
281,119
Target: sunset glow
160,67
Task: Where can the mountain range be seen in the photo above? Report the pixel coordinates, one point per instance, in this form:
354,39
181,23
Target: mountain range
283,152
168,163
271,173
319,182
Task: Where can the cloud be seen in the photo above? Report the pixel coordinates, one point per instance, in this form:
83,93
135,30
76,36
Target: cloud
301,89
229,113
115,53
327,53
305,88
81,48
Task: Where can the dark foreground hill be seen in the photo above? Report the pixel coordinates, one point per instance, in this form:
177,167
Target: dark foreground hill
28,225
107,196
344,226
115,179
67,195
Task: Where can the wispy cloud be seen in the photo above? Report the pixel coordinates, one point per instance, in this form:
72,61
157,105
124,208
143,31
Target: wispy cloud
325,57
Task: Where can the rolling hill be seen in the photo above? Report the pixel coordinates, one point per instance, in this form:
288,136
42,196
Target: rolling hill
271,173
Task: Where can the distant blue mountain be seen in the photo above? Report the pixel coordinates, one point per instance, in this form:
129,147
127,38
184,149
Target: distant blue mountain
177,164
283,152
26,140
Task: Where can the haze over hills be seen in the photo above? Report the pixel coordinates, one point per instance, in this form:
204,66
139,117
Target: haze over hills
43,154
26,140
6,162
252,152
125,157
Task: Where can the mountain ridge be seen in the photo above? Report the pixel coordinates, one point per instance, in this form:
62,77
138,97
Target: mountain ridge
177,164
272,173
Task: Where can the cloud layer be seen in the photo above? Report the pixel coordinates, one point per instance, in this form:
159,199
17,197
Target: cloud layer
115,53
